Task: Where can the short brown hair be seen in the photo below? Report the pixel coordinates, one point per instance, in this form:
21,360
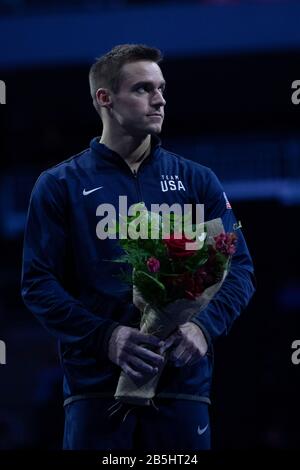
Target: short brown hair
105,72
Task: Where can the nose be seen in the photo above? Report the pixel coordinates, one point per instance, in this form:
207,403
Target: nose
158,99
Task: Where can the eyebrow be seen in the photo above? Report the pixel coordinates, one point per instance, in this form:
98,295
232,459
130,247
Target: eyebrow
145,82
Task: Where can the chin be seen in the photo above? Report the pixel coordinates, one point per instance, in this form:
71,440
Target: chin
149,130
155,130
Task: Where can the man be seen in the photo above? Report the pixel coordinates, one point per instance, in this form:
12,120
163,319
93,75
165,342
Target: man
72,287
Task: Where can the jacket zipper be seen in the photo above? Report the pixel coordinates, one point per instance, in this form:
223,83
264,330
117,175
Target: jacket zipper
135,175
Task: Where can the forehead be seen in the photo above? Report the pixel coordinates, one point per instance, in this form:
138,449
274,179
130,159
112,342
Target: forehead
143,70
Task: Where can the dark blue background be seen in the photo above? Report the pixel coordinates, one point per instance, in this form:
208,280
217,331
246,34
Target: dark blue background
229,67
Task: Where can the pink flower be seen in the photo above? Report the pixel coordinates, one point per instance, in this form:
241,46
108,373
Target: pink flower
153,265
226,243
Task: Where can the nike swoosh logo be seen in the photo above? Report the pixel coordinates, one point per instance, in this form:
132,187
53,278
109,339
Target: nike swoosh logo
85,192
201,431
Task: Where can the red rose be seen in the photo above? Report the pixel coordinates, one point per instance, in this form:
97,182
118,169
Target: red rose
177,246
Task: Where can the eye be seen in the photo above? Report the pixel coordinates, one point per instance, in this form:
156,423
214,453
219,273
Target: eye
140,90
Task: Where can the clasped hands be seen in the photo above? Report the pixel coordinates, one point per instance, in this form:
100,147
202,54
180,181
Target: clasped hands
127,348
186,346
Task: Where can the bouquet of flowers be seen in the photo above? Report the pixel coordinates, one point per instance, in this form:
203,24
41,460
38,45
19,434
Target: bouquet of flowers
174,277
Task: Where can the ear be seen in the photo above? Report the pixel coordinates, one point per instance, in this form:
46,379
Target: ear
103,97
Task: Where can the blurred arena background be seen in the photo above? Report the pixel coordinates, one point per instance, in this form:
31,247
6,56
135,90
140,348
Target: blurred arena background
229,67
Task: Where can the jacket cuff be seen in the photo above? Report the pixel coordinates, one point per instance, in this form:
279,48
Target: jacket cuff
107,335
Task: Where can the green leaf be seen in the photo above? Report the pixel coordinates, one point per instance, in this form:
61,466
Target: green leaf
153,290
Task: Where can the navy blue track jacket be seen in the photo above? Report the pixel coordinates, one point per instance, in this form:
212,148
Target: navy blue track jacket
72,287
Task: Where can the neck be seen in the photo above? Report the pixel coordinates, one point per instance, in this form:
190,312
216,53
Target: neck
132,149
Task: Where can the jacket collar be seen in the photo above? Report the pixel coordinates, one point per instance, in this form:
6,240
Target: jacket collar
104,153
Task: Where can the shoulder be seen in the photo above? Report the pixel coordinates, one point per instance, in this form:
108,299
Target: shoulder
52,181
192,168
65,169
187,162
70,165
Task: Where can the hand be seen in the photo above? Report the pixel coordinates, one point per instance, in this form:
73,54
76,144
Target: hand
126,349
188,345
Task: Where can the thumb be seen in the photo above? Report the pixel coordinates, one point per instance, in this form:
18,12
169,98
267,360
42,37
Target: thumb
171,341
148,339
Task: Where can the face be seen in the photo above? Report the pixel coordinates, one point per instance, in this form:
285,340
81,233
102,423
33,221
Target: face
138,107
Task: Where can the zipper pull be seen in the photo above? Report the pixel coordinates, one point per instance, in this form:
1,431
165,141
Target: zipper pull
134,173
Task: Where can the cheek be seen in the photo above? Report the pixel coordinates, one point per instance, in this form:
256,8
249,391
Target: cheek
136,111
131,110
138,104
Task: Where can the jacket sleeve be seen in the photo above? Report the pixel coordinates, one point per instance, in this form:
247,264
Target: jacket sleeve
43,272
239,285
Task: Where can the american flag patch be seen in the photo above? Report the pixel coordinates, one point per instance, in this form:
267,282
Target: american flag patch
228,206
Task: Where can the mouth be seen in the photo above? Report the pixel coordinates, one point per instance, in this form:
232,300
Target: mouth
155,115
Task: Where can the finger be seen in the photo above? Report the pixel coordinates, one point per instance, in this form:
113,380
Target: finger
187,360
173,340
150,356
181,354
178,351
182,361
132,373
142,338
194,360
142,367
